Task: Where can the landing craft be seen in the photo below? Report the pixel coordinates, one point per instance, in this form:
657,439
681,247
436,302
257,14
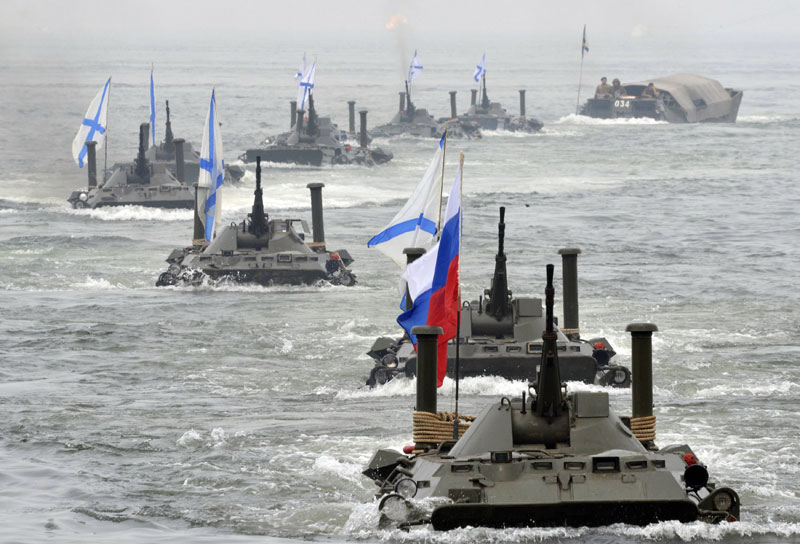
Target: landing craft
261,250
679,98
501,335
551,457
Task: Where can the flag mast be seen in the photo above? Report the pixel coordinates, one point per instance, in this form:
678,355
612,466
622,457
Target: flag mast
441,181
105,147
458,271
152,106
584,49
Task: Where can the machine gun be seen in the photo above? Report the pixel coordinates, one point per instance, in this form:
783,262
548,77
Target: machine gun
258,219
169,145
485,98
549,400
499,303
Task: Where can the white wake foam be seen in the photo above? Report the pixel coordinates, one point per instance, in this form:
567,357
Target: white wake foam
480,386
97,284
573,119
133,213
764,118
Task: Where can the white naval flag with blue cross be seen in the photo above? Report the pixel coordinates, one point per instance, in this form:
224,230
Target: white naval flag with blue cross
416,224
93,126
299,75
414,69
480,69
306,86
212,168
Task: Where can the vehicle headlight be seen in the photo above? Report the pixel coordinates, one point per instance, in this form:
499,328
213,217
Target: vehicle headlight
83,197
723,501
620,376
394,507
389,360
406,487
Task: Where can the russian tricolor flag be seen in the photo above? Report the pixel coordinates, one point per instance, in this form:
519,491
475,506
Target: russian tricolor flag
433,282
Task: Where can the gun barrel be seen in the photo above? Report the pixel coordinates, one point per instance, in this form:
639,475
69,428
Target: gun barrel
549,294
258,219
498,304
549,402
501,231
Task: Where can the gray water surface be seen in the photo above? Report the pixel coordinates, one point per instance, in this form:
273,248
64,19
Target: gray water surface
237,413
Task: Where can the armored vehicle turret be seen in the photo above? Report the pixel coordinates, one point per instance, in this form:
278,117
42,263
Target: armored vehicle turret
262,250
552,457
417,122
492,116
501,336
142,183
316,140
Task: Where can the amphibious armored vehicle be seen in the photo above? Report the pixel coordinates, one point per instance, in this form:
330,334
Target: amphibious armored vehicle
164,153
682,98
492,116
551,457
261,250
501,336
417,122
317,140
142,183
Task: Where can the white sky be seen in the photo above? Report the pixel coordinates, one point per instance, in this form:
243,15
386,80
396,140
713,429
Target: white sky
129,20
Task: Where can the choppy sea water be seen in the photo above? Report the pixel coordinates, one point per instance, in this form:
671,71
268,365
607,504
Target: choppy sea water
238,413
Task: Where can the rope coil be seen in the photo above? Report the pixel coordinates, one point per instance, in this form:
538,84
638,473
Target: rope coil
644,428
435,428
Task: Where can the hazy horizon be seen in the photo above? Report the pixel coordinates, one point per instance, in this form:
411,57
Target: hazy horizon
85,22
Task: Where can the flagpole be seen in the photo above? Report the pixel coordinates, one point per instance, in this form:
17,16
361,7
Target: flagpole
105,147
441,180
458,271
580,82
580,77
152,103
